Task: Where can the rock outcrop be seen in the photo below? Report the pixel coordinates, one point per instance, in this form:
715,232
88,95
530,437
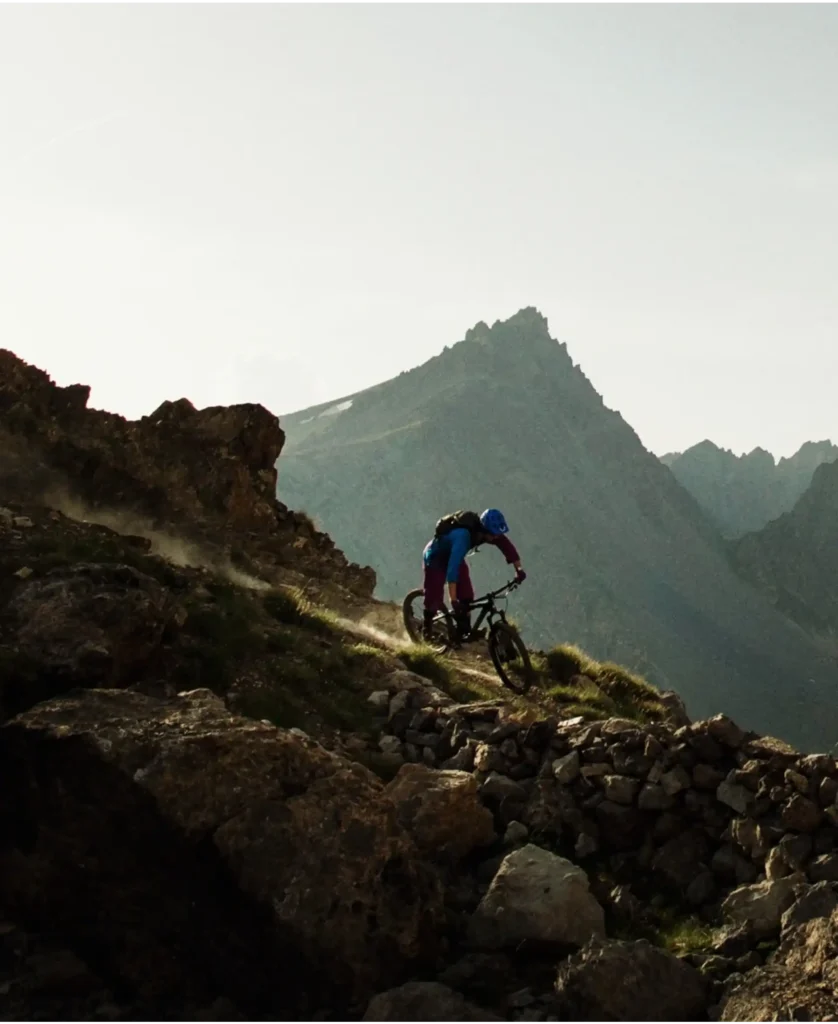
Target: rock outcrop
608,980
423,1001
441,810
193,854
206,475
706,809
536,897
799,982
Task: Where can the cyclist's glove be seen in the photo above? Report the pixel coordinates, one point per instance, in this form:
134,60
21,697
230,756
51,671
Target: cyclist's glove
520,576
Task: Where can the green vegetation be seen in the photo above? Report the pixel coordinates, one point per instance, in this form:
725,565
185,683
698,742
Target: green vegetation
426,662
592,689
681,935
274,654
278,657
290,606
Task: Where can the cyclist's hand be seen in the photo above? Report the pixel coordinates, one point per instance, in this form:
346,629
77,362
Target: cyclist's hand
520,576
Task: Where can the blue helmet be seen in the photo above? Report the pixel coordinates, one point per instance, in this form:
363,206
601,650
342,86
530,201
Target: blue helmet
493,521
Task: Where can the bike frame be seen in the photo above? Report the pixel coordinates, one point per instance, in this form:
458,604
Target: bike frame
487,607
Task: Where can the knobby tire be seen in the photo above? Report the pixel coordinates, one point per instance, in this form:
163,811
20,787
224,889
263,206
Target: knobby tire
501,634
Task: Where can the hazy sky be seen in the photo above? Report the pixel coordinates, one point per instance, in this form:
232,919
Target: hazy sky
287,203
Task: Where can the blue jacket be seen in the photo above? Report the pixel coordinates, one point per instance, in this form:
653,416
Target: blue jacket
452,548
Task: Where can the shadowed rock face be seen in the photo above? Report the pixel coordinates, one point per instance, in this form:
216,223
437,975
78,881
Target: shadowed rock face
192,854
207,474
610,980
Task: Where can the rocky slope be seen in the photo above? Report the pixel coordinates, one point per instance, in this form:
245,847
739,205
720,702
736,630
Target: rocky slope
795,558
206,477
174,846
742,493
622,560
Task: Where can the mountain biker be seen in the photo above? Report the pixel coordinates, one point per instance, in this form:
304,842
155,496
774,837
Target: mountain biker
444,562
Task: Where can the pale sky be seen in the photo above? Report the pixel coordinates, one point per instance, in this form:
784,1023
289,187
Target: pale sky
285,204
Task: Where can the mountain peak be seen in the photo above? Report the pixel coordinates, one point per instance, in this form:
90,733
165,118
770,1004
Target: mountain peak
524,326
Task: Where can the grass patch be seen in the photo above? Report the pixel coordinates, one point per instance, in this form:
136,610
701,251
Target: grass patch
313,686
565,661
425,662
604,688
683,934
289,606
221,634
285,605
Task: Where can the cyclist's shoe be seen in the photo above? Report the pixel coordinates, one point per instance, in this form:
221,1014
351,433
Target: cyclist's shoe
462,619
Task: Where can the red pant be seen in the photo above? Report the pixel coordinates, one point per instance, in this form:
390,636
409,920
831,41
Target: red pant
434,584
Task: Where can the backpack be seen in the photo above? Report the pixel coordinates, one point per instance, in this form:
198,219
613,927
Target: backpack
469,520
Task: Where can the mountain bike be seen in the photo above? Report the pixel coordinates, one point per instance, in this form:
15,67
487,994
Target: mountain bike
508,651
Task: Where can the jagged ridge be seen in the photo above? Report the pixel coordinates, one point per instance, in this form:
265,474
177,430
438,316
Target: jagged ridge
744,493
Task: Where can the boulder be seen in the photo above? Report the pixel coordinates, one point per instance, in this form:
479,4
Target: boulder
675,780
500,788
799,983
818,900
610,980
85,625
621,789
676,710
536,896
734,796
682,859
212,848
705,776
486,977
762,904
620,826
441,810
824,868
776,865
424,1001
725,730
566,769
800,814
654,798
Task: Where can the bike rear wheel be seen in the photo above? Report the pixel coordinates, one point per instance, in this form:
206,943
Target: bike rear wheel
443,633
510,657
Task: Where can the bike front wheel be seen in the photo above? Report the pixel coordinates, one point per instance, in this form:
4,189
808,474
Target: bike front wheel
443,633
510,657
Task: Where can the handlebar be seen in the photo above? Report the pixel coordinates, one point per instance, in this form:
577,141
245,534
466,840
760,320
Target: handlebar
506,588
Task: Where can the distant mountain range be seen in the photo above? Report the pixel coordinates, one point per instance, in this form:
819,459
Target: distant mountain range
794,559
623,560
742,493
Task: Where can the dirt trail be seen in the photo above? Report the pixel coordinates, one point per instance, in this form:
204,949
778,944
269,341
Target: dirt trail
379,621
467,663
